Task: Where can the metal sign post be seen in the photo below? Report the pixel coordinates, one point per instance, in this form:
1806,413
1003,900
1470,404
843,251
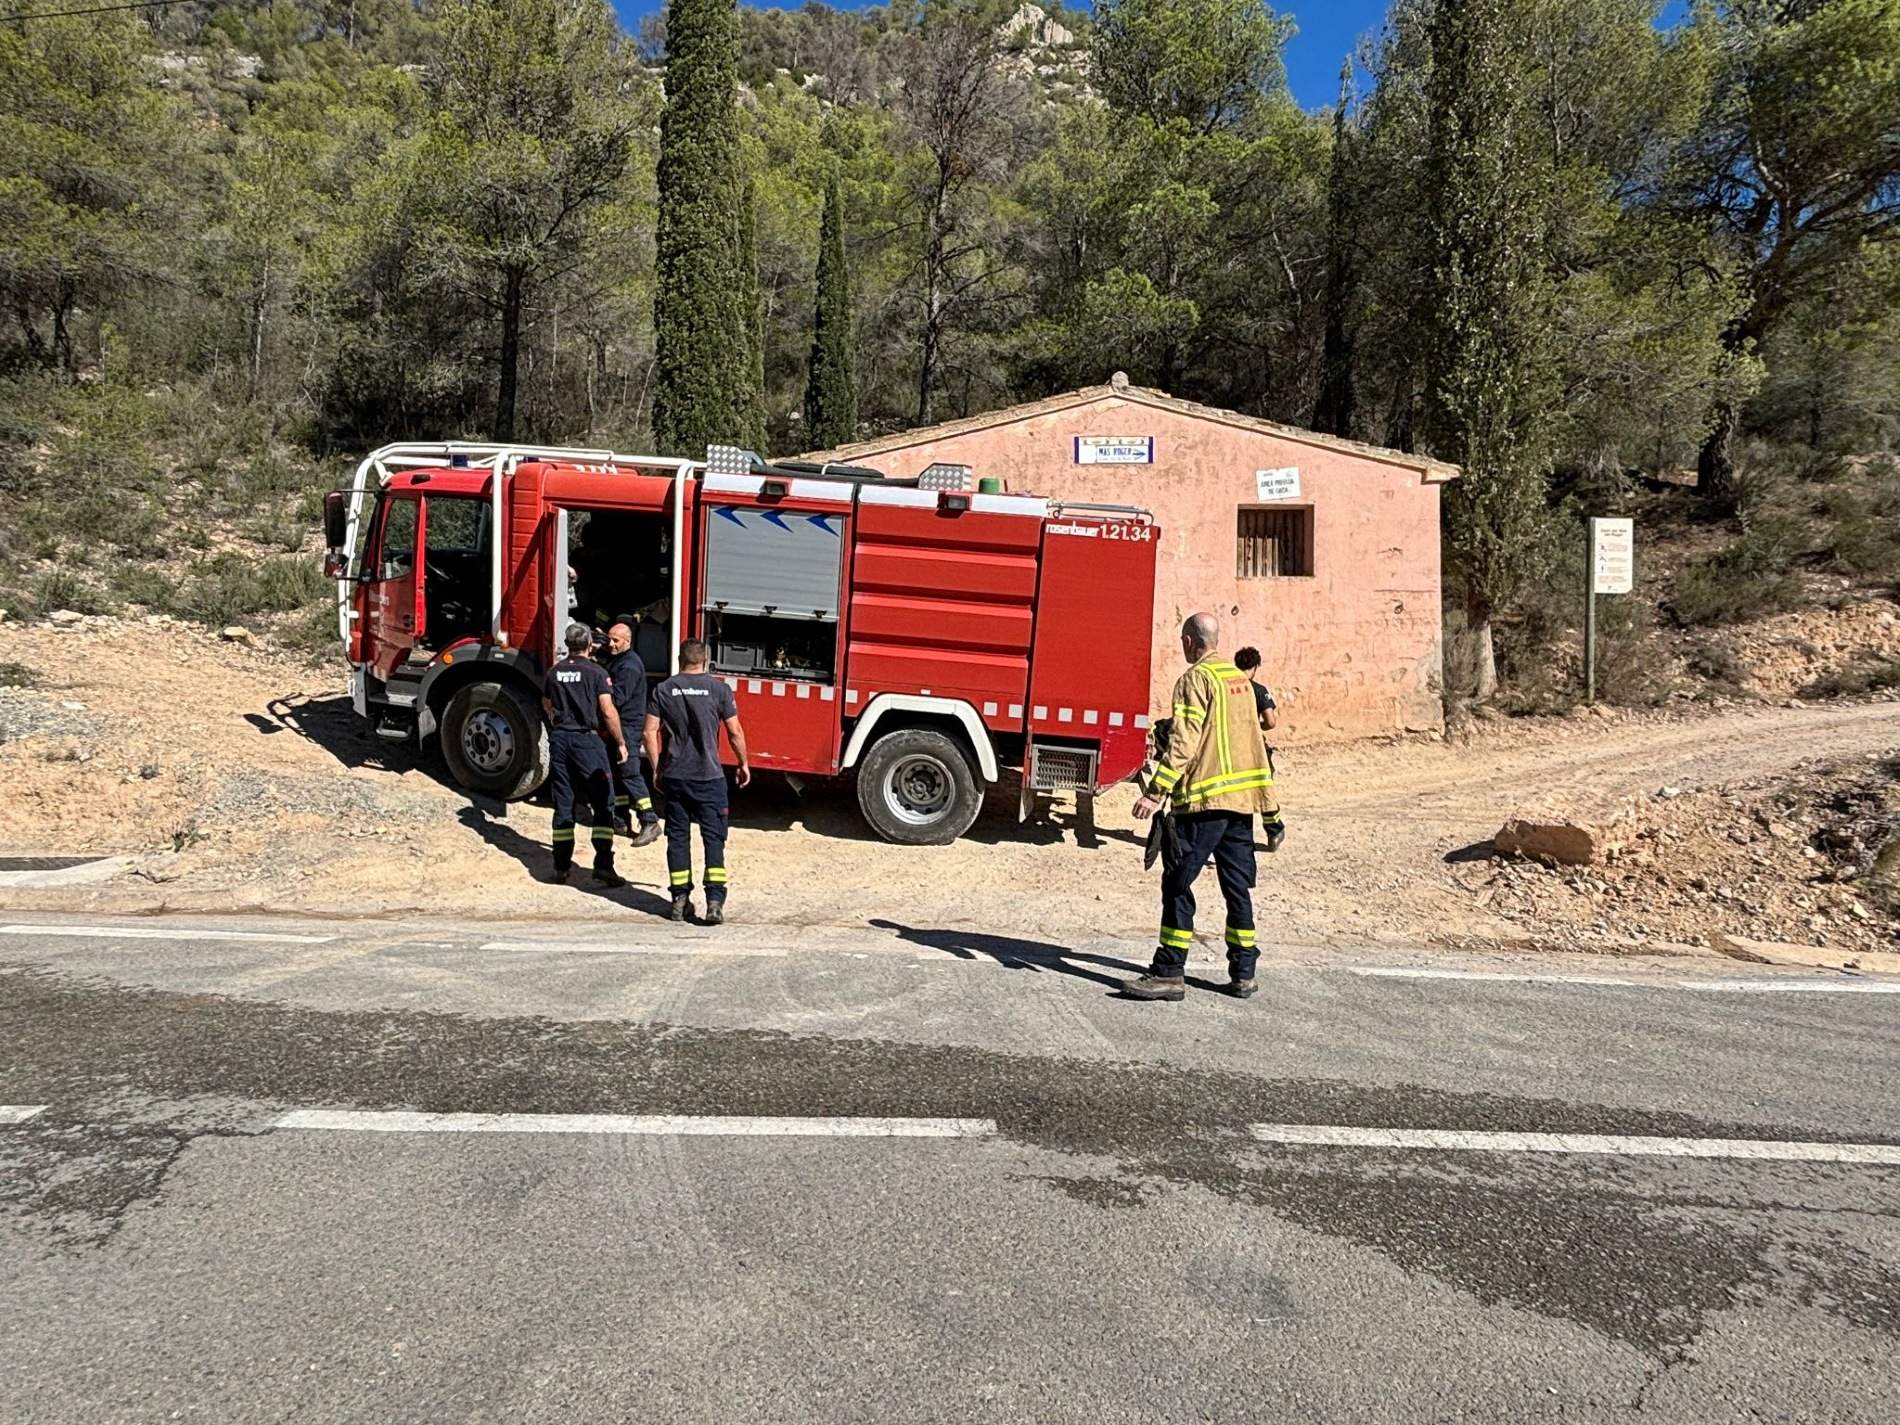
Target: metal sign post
1609,568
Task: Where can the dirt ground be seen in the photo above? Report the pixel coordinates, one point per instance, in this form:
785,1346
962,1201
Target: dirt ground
236,777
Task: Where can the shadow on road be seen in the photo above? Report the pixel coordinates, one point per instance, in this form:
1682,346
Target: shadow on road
539,860
1014,953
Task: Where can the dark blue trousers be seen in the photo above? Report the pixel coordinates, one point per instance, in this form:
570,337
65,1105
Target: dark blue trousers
580,774
701,804
1225,837
632,801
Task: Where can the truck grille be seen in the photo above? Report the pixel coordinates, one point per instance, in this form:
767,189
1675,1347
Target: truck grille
1062,769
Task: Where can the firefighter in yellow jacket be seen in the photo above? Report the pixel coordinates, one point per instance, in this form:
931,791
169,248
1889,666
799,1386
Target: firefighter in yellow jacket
1214,776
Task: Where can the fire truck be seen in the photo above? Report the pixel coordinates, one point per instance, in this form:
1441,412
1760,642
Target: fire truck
923,634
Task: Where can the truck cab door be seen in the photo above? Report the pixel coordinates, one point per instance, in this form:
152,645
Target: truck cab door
393,612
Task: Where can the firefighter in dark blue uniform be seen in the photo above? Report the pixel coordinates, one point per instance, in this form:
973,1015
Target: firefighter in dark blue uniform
682,739
632,801
579,702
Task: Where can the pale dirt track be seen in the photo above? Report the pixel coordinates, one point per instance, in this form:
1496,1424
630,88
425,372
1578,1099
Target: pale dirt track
254,767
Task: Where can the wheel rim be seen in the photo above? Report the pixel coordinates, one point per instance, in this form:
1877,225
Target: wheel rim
488,742
918,789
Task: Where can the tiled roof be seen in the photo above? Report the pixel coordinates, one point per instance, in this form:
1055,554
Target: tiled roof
1433,471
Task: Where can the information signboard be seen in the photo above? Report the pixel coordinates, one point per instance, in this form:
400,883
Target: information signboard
1612,556
1280,484
1114,450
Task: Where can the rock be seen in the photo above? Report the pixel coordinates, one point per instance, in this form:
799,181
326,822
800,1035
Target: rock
1568,843
65,618
1668,793
72,706
237,633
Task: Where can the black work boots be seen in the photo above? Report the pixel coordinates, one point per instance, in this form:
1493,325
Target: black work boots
1156,987
1163,987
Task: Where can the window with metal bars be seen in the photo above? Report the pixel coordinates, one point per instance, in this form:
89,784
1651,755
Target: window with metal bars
1275,543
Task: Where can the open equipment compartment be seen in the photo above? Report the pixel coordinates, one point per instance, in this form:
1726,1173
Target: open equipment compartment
771,591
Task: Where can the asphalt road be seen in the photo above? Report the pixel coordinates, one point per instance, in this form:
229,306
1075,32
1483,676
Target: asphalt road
1107,1238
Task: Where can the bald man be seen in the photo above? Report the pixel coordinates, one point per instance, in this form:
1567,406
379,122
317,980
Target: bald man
1212,774
632,801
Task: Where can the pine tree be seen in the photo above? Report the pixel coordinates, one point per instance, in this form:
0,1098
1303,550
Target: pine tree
831,388
701,329
1488,307
1333,411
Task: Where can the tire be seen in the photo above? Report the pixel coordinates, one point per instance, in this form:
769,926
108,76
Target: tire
495,741
916,787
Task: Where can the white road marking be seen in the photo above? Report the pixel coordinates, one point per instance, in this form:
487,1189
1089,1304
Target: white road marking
639,1123
584,947
128,932
1407,972
1795,987
19,1112
1330,1136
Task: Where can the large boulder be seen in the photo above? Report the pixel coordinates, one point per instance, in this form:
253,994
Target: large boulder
1568,843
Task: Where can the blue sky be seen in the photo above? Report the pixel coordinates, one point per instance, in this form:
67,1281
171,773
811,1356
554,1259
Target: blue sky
1328,29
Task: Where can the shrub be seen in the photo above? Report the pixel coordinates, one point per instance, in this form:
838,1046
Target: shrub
1750,579
63,589
230,588
1869,675
147,585
18,675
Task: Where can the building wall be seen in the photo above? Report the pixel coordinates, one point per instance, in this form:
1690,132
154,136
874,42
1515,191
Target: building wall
1354,650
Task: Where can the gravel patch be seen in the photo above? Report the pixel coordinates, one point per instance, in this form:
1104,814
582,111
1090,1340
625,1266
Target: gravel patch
28,712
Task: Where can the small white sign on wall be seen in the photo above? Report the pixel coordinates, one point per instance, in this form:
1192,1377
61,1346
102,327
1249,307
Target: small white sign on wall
1114,450
1281,484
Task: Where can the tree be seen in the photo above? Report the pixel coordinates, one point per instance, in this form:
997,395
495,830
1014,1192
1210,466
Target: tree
702,326
1333,412
1488,311
531,142
83,137
965,112
831,392
1204,62
748,428
1795,165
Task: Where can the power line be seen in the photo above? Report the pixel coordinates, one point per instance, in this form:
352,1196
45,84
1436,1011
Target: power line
90,10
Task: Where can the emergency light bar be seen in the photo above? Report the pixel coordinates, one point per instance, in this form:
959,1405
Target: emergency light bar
944,477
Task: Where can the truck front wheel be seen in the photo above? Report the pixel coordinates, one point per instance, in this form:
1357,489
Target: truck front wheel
916,788
495,741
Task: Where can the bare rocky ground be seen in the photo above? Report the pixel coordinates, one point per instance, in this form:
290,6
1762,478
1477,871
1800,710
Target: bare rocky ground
235,777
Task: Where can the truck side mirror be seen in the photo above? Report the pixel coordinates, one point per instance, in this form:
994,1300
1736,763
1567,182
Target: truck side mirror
336,525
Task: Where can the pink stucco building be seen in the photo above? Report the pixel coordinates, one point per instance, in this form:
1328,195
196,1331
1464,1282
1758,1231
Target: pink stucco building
1322,552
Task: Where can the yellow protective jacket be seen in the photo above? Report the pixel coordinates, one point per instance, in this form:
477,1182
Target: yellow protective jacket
1215,758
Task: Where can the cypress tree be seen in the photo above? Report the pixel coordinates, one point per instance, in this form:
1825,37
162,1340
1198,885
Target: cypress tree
1489,310
831,388
701,330
1334,410
749,400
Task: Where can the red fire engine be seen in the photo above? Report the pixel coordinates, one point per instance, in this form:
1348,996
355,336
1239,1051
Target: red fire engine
921,633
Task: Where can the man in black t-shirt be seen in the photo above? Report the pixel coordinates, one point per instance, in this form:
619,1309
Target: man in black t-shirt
1248,661
632,801
684,716
578,700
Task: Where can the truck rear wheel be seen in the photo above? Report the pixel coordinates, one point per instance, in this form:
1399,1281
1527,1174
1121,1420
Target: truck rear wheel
495,741
916,788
